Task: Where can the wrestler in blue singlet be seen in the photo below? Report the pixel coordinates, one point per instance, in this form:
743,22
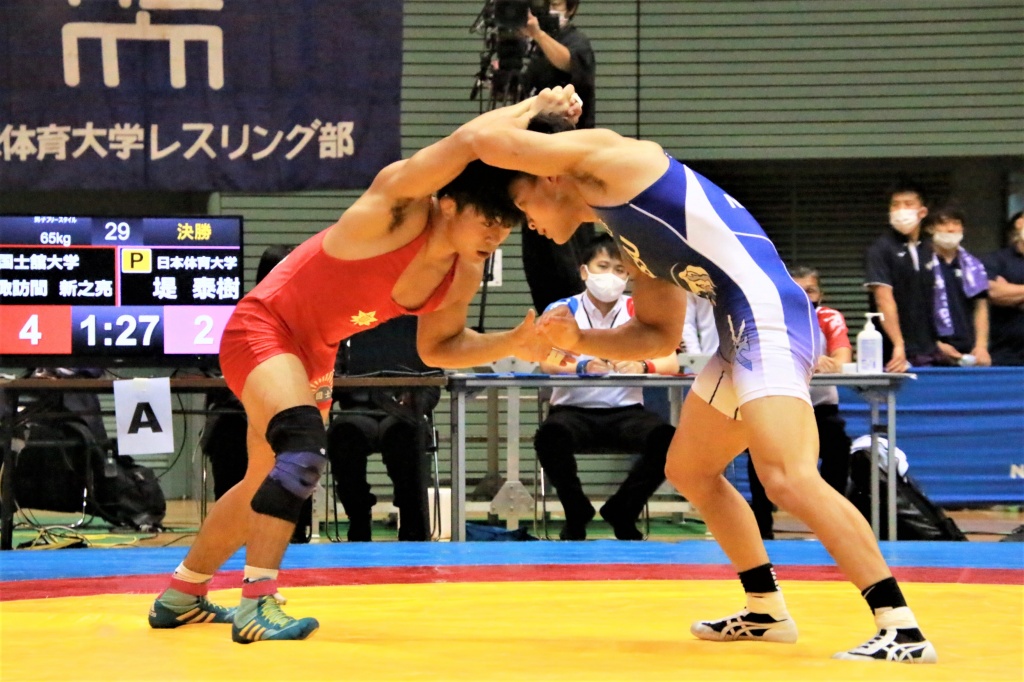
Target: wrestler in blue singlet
685,229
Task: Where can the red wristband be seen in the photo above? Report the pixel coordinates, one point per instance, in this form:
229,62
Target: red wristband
649,367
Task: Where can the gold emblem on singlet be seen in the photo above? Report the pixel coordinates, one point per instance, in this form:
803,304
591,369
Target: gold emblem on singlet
696,280
364,319
634,254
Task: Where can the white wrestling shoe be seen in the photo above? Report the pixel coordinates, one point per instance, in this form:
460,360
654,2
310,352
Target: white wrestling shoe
901,646
746,626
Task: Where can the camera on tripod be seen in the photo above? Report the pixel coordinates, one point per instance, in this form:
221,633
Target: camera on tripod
512,14
506,50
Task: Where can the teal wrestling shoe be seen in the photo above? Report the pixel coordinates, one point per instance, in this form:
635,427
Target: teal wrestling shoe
261,618
173,609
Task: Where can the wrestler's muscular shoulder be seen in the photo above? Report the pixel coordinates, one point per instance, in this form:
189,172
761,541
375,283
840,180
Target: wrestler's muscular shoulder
619,169
380,221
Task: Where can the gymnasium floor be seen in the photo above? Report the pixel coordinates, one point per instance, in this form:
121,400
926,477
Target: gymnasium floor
599,610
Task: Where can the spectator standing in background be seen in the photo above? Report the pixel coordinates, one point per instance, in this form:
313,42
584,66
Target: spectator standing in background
960,292
900,287
561,58
1005,269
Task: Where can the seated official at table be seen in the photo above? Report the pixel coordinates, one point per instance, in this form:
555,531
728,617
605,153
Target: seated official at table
582,419
393,422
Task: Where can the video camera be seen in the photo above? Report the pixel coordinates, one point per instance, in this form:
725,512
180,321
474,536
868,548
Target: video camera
506,52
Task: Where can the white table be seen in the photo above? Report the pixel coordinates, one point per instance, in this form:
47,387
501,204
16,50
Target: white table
875,388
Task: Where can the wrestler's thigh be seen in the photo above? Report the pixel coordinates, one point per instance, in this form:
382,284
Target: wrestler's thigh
782,433
706,440
275,384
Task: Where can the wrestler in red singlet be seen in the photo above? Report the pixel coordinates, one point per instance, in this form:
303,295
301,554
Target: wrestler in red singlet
309,304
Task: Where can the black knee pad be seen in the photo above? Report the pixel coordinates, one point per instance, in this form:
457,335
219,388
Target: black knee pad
299,441
297,429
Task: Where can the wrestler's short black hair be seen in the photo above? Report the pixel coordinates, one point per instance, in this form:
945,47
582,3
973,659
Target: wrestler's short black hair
485,188
549,123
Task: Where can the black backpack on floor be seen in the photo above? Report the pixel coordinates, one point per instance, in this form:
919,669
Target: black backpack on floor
917,517
62,467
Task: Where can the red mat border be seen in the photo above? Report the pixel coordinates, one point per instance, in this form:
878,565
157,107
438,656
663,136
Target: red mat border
306,577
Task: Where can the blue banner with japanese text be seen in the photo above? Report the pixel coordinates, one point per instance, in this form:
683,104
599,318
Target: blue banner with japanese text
198,95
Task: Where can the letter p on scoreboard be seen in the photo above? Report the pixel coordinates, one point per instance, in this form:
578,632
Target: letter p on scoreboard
137,260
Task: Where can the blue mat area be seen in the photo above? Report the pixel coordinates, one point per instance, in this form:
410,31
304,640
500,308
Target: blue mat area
76,563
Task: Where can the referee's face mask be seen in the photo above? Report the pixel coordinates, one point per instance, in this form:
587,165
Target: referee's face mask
605,278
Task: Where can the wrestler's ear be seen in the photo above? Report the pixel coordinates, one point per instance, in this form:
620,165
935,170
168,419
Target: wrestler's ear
448,207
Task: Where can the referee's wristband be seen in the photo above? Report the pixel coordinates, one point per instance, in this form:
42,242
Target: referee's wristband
649,367
581,366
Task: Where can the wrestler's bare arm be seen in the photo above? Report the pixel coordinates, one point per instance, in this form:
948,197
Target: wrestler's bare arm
654,331
609,169
394,207
443,340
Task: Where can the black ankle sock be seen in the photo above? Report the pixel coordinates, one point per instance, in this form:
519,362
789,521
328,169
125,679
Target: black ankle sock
884,593
759,579
908,636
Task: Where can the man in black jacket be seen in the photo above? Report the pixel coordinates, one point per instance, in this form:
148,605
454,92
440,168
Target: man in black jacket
560,58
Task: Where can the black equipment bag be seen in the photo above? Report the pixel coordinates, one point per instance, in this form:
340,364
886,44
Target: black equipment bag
62,466
917,517
129,494
51,471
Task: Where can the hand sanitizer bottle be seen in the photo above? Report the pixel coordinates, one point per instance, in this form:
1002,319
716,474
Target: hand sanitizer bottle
869,347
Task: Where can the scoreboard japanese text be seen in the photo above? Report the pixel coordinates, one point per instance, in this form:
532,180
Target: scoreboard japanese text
117,288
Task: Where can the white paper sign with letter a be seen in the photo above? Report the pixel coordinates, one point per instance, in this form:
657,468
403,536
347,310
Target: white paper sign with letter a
143,412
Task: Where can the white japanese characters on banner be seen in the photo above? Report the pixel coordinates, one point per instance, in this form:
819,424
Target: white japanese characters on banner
198,94
142,410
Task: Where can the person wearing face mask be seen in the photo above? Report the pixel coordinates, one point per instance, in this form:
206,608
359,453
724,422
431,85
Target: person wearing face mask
1005,269
584,418
561,58
834,444
900,285
960,292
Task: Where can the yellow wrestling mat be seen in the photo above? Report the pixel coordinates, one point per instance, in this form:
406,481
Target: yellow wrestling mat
601,630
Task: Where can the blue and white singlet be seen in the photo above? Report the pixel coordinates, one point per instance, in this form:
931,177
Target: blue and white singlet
687,230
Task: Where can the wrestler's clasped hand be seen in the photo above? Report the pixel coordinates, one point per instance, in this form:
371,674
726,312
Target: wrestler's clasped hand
558,101
559,327
529,344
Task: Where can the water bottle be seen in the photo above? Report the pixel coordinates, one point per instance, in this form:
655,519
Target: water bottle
869,347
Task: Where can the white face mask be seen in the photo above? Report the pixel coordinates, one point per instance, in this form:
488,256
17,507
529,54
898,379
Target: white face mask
563,19
904,220
947,240
605,286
